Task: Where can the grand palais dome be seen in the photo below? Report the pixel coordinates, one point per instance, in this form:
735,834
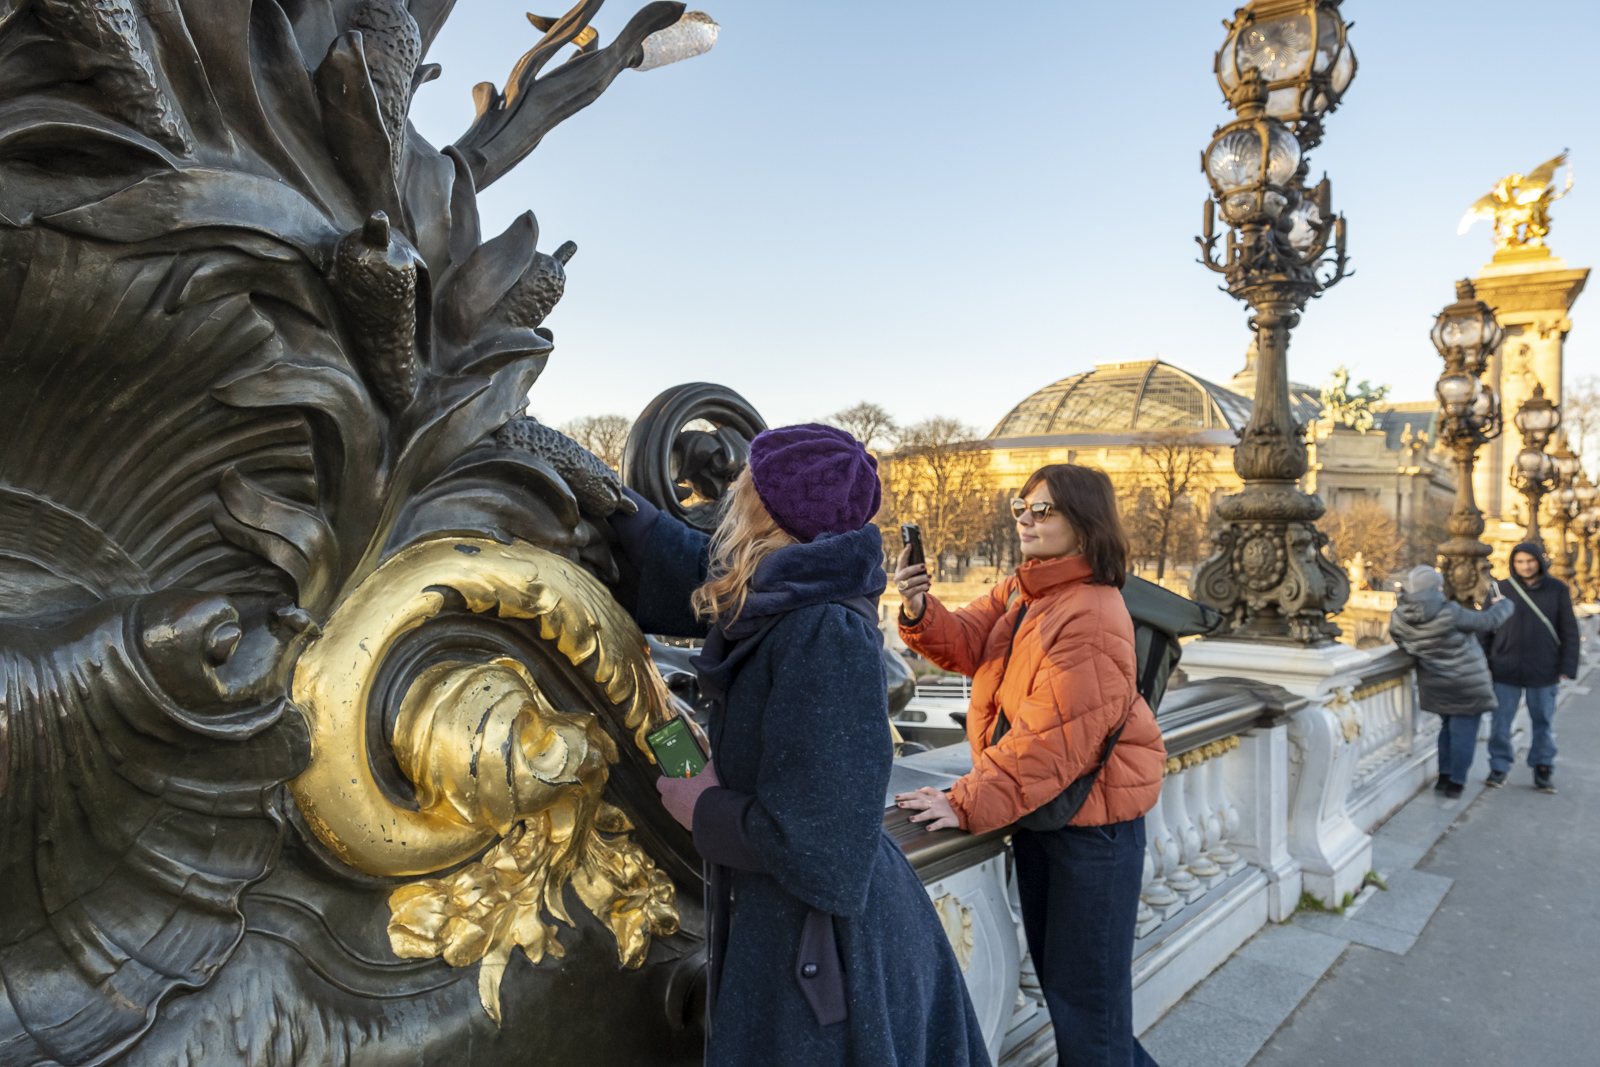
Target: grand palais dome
1123,399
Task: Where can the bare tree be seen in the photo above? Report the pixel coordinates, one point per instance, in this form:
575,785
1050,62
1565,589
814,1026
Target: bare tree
938,477
1365,526
604,435
866,422
1580,417
1163,496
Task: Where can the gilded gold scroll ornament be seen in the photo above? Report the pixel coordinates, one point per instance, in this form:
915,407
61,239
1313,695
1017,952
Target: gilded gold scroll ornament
489,757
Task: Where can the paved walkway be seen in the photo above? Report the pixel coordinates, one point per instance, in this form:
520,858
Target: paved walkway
1484,950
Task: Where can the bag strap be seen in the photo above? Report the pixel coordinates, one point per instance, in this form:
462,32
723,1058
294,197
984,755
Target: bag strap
1516,585
1001,723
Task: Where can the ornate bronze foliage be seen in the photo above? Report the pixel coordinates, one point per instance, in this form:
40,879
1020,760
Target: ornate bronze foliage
270,519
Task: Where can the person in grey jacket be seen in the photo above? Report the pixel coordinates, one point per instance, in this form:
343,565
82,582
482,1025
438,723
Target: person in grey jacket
1453,678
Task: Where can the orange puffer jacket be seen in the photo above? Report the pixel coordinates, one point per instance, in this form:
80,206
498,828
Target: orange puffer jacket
1071,681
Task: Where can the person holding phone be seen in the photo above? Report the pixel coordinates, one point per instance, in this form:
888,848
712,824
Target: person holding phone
1063,746
823,947
1528,657
1452,674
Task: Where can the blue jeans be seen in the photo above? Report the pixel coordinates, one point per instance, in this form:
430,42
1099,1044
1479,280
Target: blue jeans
1541,709
1458,743
1079,888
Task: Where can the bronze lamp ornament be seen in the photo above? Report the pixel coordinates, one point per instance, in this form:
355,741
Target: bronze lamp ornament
1282,66
1564,505
1465,333
1299,48
1534,474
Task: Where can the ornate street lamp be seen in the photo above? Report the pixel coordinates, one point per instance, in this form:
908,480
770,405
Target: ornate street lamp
1465,333
1587,522
1299,49
1283,66
1564,505
1534,473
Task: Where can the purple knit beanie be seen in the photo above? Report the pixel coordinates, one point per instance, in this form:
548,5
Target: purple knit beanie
814,479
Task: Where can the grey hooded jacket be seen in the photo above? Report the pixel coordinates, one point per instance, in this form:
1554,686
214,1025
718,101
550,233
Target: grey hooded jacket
1452,673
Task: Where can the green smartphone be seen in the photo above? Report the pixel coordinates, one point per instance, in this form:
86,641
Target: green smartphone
676,751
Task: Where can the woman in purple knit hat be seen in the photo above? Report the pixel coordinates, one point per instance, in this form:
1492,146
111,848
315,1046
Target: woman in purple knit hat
823,947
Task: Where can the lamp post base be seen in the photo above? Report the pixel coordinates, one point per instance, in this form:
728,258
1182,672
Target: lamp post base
1268,573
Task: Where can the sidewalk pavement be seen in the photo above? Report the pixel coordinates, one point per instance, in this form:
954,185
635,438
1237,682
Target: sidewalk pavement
1485,948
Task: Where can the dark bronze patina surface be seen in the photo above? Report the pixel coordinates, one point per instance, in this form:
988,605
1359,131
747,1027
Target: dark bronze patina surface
254,351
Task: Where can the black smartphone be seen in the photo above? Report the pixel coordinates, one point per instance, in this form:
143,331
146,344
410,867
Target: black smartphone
677,753
911,534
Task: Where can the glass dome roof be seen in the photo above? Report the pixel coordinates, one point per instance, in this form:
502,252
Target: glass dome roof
1131,398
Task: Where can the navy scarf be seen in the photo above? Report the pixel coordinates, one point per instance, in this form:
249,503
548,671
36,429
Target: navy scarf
834,569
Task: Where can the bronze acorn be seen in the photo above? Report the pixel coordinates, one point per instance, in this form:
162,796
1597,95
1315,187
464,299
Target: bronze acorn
375,275
392,47
538,290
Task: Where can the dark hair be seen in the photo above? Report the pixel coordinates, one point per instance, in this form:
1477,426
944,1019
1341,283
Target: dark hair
1085,498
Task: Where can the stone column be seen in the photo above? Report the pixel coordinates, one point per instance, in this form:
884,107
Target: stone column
1531,292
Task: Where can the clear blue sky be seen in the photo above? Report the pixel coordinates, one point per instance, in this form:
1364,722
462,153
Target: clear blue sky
941,207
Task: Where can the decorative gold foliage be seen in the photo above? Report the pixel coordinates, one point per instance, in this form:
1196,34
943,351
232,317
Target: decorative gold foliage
486,909
1195,757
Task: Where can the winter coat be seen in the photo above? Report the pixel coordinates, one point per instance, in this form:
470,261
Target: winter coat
1522,652
1452,673
1071,682
801,870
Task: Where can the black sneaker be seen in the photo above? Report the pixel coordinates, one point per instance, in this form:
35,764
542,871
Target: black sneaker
1544,778
1452,791
1496,779
1440,784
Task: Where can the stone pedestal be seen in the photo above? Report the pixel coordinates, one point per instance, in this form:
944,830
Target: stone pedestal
1531,292
1318,755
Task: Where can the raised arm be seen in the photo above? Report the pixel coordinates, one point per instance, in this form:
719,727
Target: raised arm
954,640
671,559
1486,621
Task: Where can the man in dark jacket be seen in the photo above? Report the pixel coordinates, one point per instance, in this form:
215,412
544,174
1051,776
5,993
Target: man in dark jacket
1452,676
1528,658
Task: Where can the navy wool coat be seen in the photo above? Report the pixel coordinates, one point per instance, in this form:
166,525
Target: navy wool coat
834,954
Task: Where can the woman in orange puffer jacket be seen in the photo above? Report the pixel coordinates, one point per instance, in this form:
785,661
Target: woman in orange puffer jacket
1043,721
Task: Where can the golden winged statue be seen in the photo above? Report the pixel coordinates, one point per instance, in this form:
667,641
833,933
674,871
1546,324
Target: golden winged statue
1519,206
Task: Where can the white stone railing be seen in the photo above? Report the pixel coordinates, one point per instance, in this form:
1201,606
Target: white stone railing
1395,743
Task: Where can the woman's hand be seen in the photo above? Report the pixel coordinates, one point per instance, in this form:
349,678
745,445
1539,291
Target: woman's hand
679,795
913,583
934,806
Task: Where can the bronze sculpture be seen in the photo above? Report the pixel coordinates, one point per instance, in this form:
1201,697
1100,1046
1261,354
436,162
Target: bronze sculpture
314,704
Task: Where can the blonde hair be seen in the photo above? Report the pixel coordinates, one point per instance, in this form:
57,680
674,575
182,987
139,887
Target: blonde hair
747,535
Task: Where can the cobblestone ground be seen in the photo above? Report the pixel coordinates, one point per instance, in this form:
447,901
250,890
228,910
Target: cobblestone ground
1507,970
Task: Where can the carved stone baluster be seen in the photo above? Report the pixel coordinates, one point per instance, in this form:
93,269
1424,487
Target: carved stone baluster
1167,892
1227,815
1203,872
1201,808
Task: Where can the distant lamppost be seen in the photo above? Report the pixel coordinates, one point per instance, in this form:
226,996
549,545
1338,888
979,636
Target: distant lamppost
1564,505
1588,523
1465,333
1534,473
1283,66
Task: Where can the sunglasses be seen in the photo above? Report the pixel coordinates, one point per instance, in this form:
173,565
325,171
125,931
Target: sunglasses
1041,510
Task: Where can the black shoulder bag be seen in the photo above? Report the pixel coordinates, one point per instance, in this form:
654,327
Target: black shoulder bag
1056,813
